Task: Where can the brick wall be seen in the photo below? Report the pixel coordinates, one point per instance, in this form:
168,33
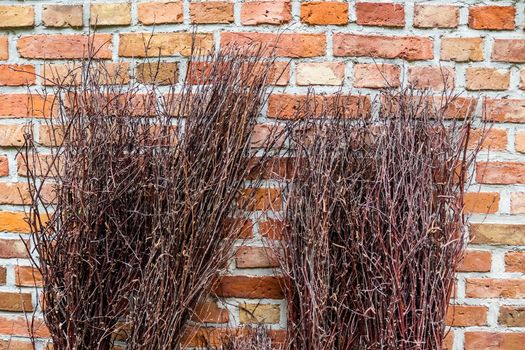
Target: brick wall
478,45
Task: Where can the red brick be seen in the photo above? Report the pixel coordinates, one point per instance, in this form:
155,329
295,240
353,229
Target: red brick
466,315
12,344
324,13
405,47
13,248
376,76
15,301
60,46
249,287
436,16
160,12
24,105
3,276
497,234
428,77
265,12
16,16
255,257
13,222
380,14
18,326
475,261
4,166
211,12
512,316
517,203
61,16
509,50
285,106
487,79
162,44
492,17
505,110
285,45
27,276
17,74
493,139
462,49
14,193
209,312
481,202
320,73
4,52
261,199
515,262
495,288
494,341
505,173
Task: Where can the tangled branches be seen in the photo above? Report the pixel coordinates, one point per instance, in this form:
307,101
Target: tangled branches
374,225
145,189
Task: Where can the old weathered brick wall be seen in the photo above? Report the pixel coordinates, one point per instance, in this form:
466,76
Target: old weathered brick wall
478,45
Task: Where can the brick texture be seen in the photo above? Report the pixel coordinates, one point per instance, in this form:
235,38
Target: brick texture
475,47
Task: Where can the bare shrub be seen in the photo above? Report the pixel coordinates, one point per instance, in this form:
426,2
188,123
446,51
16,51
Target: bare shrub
374,225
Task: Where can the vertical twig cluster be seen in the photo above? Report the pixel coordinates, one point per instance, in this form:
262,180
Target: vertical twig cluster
374,225
145,187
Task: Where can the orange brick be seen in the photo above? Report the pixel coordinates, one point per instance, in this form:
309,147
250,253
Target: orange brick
12,344
63,46
249,287
285,45
17,74
448,342
111,14
13,222
14,301
509,50
4,53
497,234
163,44
466,315
209,312
27,276
4,166
495,288
271,228
505,110
71,74
481,202
17,326
157,72
3,276
24,105
475,261
487,79
376,76
462,49
515,262
255,257
261,199
61,16
285,106
324,13
266,12
15,16
491,17
12,135
492,340
160,12
517,203
436,16
512,316
51,135
14,193
13,248
428,77
409,48
380,14
320,73
493,139
211,12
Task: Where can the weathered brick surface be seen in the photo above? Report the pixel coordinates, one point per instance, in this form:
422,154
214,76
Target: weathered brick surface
476,47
